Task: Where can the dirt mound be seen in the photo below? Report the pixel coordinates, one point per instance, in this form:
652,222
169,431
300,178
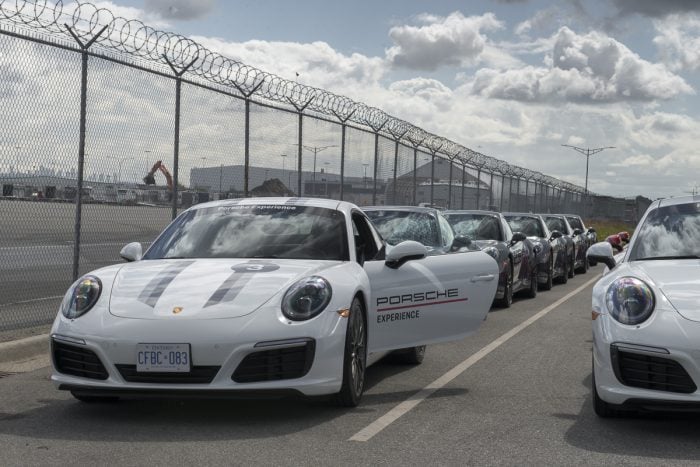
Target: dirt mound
272,187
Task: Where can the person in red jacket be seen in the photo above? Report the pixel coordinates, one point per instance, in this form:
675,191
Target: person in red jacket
615,241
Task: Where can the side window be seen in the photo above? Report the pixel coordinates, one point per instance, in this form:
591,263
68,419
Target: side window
448,234
367,243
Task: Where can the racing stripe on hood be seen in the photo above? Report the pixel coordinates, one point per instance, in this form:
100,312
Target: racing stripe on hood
236,282
229,289
155,288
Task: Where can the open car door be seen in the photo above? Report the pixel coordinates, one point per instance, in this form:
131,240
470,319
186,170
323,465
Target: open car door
427,300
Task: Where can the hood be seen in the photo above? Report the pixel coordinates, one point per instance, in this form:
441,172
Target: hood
203,288
678,280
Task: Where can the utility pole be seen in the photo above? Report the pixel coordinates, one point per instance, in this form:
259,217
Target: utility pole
316,150
588,152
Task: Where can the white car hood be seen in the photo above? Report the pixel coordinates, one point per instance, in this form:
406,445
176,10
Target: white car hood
203,288
678,280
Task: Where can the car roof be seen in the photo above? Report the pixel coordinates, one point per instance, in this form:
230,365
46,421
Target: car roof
675,201
472,211
400,208
524,214
290,201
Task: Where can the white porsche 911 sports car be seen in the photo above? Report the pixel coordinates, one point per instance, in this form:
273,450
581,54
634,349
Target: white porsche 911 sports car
646,314
262,295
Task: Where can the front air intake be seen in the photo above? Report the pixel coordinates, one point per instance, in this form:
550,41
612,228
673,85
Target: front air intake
650,372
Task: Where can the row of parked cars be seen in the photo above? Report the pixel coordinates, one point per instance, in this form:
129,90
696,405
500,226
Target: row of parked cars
533,251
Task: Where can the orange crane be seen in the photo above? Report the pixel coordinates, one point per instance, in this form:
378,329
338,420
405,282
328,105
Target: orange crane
149,179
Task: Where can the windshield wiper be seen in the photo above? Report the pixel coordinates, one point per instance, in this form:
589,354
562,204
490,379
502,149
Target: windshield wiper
650,258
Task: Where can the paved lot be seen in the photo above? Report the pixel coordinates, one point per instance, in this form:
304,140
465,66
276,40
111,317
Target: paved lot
527,402
36,251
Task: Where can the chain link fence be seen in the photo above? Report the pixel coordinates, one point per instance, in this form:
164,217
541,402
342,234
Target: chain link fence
110,128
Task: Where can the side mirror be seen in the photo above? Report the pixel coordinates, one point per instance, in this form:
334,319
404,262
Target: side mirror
578,232
405,251
132,252
601,252
460,241
517,237
591,230
556,234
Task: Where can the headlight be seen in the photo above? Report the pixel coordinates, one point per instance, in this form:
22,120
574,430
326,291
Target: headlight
82,297
630,300
492,252
306,299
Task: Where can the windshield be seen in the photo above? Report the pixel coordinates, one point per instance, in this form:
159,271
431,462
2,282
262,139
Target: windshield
574,222
530,226
399,226
556,223
671,232
254,231
475,226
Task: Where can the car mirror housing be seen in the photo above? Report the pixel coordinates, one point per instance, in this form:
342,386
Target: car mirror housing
132,252
591,230
601,252
518,237
403,252
555,234
578,231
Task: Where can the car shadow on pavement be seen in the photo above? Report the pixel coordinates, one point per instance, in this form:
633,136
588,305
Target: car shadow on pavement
168,420
657,435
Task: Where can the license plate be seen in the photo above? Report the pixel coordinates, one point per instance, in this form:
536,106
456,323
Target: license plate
166,358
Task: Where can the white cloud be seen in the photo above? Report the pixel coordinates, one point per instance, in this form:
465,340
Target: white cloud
585,68
678,41
454,40
180,9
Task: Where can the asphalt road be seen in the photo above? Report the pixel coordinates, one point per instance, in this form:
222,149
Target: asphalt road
526,402
36,251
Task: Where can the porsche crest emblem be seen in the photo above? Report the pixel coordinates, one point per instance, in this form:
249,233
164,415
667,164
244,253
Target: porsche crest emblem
177,310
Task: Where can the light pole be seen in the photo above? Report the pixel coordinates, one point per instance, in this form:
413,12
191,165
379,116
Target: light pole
588,152
119,172
364,176
326,163
284,159
316,150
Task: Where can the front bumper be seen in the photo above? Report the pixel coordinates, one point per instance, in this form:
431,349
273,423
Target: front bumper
666,337
216,343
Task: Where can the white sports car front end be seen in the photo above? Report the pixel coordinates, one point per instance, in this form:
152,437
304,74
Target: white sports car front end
263,296
646,315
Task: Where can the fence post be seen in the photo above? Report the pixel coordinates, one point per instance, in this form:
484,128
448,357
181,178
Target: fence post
415,143
176,142
491,191
503,185
300,140
397,137
343,126
478,186
77,227
464,176
246,136
449,188
433,151
527,194
376,130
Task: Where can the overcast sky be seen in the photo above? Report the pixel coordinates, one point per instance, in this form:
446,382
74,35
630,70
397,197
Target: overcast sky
514,79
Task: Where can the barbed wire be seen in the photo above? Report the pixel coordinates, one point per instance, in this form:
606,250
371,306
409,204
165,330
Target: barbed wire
138,40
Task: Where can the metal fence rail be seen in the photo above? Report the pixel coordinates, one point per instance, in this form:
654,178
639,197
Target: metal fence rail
111,127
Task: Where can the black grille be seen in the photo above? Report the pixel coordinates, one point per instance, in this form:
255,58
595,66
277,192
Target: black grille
196,375
77,361
276,364
651,372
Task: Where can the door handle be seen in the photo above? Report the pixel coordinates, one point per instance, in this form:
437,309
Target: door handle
484,278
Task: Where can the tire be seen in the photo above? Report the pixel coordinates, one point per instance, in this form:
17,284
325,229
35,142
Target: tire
600,407
532,291
550,275
411,356
507,299
583,269
354,358
94,399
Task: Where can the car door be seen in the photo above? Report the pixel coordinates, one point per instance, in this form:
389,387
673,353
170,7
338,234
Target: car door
424,301
518,253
